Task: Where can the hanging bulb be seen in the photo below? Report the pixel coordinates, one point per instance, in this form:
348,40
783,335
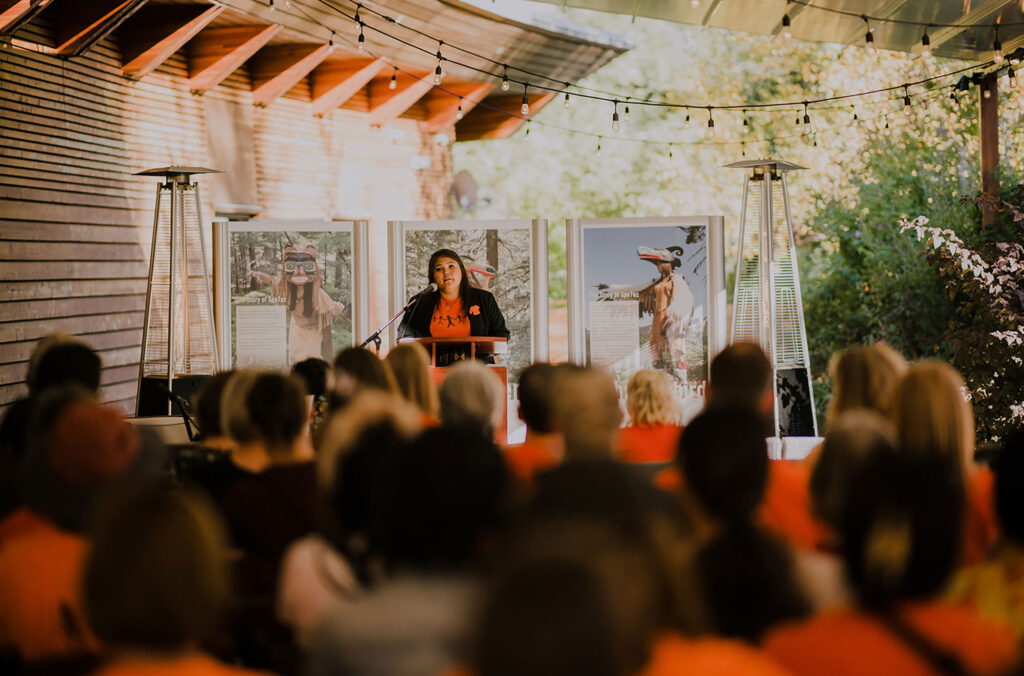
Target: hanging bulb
458,115
625,113
394,80
615,117
746,125
670,151
986,92
361,41
438,72
869,37
566,103
1011,79
906,100
695,3
997,48
854,109
598,151
504,80
709,133
743,150
526,137
687,122
525,108
926,45
330,44
786,32
272,6
807,123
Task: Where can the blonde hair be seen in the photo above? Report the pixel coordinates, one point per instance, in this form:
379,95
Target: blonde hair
650,400
410,365
864,376
931,413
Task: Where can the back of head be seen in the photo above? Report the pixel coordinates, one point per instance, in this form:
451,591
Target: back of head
264,407
902,528
472,398
864,376
449,492
931,414
586,411
740,375
548,618
535,406
313,374
854,438
156,577
724,461
650,400
64,361
1009,468
410,365
356,369
207,405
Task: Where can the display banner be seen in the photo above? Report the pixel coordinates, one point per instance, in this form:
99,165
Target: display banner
287,290
648,294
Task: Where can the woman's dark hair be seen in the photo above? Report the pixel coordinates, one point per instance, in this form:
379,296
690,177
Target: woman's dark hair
902,528
207,405
548,618
1009,468
355,369
535,397
313,373
463,285
449,492
156,576
724,459
748,582
277,409
71,363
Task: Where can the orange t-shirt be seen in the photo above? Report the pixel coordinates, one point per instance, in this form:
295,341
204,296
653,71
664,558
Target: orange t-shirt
449,319
654,443
849,643
41,613
193,665
672,655
526,459
980,526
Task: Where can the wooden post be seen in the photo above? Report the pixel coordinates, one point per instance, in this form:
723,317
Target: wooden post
989,131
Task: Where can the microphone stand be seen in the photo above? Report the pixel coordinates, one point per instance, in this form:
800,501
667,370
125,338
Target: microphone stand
375,336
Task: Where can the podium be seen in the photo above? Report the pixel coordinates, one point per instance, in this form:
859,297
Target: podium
448,350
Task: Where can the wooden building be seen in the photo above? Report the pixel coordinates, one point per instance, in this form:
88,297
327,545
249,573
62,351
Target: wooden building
303,124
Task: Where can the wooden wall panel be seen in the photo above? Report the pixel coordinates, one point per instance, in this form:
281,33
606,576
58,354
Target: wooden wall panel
75,223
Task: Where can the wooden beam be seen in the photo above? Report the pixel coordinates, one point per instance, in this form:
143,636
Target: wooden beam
80,25
217,52
387,104
486,123
150,36
975,13
16,13
335,81
277,69
989,132
443,106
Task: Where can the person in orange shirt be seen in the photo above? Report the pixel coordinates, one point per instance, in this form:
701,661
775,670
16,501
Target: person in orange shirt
542,448
655,419
156,584
900,543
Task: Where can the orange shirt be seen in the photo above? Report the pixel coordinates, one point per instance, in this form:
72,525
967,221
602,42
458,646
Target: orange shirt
654,443
40,603
449,319
849,643
673,655
980,529
193,665
526,459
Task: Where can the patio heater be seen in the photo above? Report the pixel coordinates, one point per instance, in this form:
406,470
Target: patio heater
178,329
767,308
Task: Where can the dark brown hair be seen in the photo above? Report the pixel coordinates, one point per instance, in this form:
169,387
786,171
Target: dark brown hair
463,285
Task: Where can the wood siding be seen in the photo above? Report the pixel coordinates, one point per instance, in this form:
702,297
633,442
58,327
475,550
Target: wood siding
75,224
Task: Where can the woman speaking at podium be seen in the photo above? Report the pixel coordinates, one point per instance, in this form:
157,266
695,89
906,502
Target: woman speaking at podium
455,308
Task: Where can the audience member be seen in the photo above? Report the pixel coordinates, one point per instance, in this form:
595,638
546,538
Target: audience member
996,586
864,376
586,411
356,369
472,398
542,448
447,504
313,374
900,541
156,584
655,419
410,364
78,451
933,418
741,375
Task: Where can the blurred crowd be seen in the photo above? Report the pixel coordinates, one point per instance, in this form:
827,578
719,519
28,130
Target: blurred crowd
353,518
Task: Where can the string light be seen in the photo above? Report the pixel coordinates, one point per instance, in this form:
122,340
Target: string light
598,151
695,3
786,32
504,80
670,151
807,123
869,37
361,42
709,133
997,48
926,45
566,103
525,108
438,72
743,149
330,44
906,100
615,117
458,115
687,122
746,125
394,80
1011,79
986,92
854,109
272,6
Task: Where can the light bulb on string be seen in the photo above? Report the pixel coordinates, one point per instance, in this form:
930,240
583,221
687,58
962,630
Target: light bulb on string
504,80
615,116
686,122
986,92
997,48
695,3
361,40
670,151
272,5
806,133
746,125
869,37
743,149
854,109
906,100
1011,79
458,115
438,72
525,108
598,151
709,133
330,44
394,80
625,113
566,103
786,31
926,45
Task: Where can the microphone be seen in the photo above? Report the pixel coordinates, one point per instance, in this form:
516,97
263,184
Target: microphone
430,288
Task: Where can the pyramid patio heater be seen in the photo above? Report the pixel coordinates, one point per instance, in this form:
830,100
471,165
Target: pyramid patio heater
767,308
178,345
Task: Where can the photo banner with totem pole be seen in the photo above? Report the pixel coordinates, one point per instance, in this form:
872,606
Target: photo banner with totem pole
507,258
648,294
287,290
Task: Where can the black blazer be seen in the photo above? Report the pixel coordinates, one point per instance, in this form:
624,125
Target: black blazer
490,322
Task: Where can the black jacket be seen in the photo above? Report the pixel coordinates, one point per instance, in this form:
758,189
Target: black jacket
489,322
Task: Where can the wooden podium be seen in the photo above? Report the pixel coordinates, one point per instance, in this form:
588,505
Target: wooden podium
448,351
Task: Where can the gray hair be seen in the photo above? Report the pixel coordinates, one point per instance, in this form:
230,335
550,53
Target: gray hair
472,398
